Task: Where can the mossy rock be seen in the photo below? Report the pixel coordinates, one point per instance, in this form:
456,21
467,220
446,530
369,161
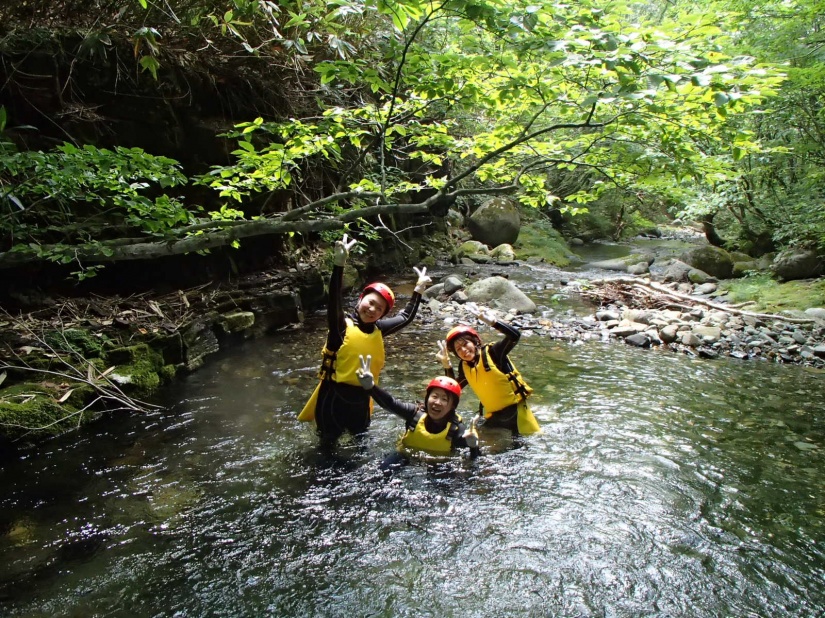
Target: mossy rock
236,321
538,239
715,261
77,341
139,369
131,354
169,346
472,248
31,410
167,373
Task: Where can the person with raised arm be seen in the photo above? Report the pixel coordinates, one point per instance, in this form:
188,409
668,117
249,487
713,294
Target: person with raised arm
488,370
339,404
432,426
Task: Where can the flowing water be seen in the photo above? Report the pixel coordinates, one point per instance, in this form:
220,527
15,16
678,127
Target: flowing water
662,485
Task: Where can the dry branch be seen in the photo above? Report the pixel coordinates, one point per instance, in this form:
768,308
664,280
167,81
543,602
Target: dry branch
659,291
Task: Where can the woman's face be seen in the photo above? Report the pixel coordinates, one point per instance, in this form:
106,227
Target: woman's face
371,307
439,403
465,348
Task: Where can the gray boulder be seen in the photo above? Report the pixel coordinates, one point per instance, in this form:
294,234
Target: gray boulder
497,221
500,293
677,271
715,261
796,264
452,284
815,312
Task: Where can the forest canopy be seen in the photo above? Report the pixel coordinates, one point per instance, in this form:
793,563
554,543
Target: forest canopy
695,109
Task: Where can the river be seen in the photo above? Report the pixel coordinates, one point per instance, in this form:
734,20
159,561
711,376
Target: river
661,485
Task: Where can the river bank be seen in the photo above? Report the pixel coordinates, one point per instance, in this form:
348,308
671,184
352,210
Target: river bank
71,360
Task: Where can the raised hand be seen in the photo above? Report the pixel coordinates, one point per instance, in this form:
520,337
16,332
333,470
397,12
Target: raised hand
488,316
340,251
443,355
423,279
365,377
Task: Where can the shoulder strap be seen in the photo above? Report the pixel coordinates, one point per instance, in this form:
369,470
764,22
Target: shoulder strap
417,416
327,364
485,357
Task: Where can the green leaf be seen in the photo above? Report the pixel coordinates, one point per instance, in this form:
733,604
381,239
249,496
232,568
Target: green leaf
149,63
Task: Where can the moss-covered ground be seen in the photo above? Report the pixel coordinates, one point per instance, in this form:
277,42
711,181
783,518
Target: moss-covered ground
771,296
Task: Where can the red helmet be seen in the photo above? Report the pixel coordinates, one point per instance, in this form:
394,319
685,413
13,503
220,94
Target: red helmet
382,290
461,331
448,384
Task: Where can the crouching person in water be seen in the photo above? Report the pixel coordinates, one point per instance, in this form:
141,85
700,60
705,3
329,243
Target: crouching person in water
339,404
433,426
491,374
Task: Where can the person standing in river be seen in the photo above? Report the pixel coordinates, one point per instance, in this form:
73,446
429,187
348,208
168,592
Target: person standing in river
488,370
339,404
432,426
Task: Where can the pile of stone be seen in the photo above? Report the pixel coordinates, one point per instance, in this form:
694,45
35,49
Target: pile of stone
680,321
711,332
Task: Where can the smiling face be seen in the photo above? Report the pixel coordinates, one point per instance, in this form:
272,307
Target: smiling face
465,348
371,307
439,403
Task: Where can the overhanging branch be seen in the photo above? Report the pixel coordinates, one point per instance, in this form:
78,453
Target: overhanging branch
101,253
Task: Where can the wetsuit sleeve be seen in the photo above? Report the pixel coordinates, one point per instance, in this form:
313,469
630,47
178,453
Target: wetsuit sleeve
336,326
459,441
462,381
500,349
391,404
402,318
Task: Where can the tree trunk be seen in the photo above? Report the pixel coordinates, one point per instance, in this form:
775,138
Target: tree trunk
710,231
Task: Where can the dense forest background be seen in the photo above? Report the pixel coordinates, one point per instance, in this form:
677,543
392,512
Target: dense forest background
134,130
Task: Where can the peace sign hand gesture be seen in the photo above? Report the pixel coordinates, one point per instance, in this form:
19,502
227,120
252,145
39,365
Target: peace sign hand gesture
365,377
423,279
341,250
443,354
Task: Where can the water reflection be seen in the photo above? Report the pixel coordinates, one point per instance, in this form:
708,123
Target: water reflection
660,486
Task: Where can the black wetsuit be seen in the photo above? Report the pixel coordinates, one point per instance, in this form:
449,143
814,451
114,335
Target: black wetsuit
346,407
508,417
412,413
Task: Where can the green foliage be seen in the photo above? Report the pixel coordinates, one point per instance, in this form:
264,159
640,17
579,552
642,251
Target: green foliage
779,188
616,108
516,91
53,201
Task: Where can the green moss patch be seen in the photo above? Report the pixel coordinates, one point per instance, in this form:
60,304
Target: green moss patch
77,341
539,239
33,410
140,369
772,296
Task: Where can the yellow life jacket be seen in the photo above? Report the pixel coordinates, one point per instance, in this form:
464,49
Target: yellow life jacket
341,366
497,390
422,440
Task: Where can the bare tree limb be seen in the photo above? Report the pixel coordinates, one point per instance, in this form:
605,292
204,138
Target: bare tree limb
663,290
